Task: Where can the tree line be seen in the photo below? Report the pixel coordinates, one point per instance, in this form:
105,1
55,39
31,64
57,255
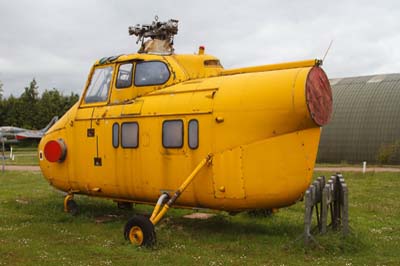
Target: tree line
31,110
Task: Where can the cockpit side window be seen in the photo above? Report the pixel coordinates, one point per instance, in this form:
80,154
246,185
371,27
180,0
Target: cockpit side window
99,85
124,78
151,73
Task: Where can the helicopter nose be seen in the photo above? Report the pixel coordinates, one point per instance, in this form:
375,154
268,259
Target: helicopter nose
319,96
55,151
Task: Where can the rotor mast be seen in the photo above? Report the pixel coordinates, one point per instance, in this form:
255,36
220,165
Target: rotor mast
161,36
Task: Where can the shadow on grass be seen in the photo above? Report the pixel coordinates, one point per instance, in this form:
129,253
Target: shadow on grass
225,225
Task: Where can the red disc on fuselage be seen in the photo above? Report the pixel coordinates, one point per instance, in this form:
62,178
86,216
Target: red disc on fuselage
319,96
54,151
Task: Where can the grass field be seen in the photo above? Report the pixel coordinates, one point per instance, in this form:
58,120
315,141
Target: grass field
35,231
22,156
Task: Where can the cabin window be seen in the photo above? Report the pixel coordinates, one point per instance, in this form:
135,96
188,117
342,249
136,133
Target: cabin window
130,135
193,134
151,73
99,85
172,134
115,135
124,78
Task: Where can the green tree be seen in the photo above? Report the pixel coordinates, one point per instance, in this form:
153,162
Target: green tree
389,153
29,102
2,110
50,105
70,101
53,103
11,108
1,90
31,93
33,111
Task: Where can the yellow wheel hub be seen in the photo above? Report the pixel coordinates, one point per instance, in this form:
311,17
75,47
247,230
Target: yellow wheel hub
136,235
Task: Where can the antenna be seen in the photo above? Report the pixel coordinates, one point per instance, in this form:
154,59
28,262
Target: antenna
327,50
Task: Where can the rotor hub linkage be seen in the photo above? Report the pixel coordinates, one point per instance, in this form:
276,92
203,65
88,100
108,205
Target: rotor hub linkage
162,31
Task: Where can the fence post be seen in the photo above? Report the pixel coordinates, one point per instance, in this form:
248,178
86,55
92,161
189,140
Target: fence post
307,217
324,209
345,216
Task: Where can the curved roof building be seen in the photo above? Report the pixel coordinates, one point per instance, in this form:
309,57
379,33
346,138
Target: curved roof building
366,118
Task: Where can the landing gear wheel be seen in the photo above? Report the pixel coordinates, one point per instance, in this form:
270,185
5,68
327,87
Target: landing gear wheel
125,205
71,207
140,231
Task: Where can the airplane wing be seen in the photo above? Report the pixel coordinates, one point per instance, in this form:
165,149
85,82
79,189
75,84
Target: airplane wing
29,134
15,134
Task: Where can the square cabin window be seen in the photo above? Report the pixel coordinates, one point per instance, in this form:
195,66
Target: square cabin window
172,134
130,135
99,85
124,78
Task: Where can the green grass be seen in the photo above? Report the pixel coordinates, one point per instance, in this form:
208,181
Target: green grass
359,165
22,156
35,231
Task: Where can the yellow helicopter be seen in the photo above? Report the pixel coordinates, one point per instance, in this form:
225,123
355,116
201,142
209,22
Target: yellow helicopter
166,129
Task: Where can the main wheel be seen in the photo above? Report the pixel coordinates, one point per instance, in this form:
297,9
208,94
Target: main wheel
124,205
72,207
139,230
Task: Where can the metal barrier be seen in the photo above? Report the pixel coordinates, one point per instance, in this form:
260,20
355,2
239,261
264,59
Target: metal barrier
326,197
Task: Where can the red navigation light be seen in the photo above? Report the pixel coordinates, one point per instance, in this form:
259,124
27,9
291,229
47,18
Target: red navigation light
55,150
201,50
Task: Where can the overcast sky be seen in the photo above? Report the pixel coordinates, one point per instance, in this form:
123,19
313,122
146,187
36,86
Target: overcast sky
57,41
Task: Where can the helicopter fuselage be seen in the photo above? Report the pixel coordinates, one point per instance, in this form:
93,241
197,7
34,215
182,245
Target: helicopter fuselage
144,122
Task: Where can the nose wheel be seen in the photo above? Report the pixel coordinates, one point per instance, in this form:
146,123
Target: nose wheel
139,230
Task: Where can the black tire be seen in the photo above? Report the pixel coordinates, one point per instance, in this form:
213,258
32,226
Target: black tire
148,236
124,205
72,207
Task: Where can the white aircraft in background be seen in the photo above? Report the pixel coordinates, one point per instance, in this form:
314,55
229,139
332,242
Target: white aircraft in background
15,134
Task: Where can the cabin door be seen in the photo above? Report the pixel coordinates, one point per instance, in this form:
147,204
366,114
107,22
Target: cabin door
88,132
88,149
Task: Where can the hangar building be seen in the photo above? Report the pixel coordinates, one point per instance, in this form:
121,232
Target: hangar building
365,124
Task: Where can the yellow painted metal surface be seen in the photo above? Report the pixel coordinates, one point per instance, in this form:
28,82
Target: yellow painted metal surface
136,235
254,120
132,108
228,174
272,67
